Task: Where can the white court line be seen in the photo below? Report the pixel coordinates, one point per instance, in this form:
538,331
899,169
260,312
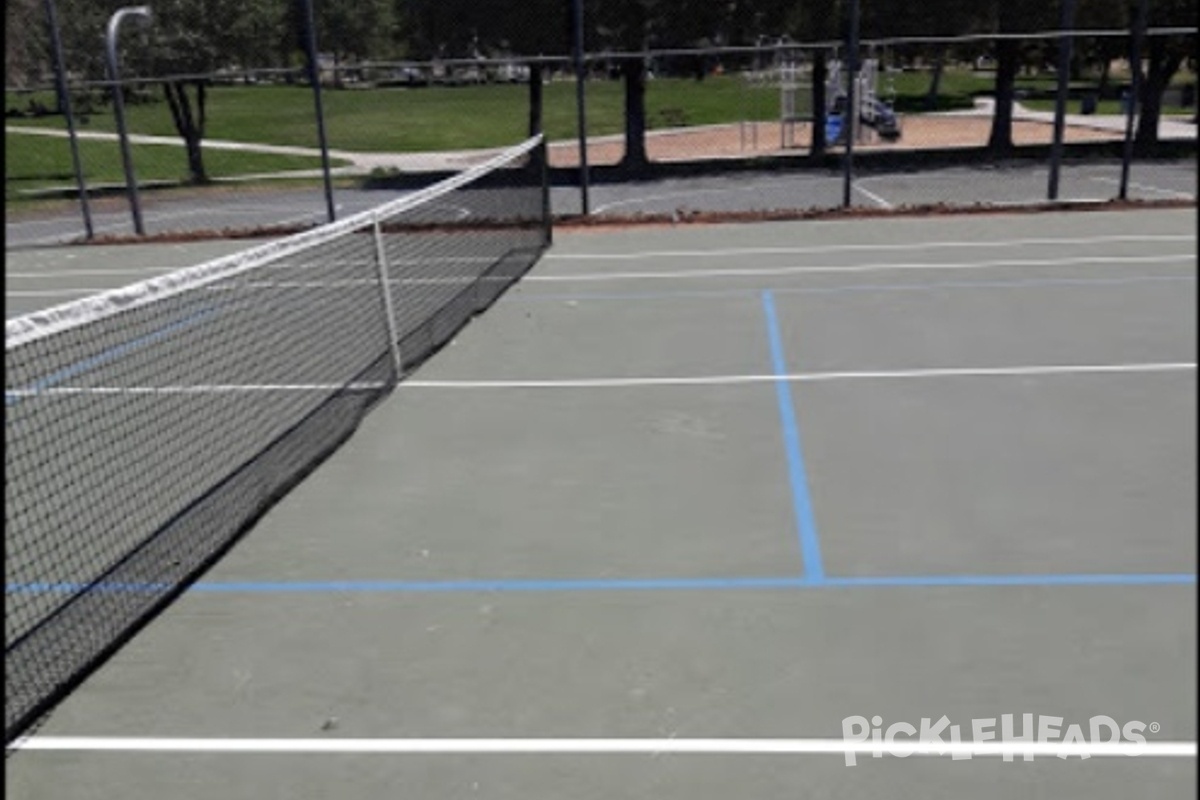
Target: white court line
889,247
651,198
72,273
1145,188
853,268
801,377
650,747
874,198
52,292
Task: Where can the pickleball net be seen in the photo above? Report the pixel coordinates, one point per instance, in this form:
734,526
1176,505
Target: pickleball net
146,428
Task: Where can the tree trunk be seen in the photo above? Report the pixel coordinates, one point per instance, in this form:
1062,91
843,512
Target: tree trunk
935,83
634,72
1162,66
1105,69
1000,140
820,76
187,127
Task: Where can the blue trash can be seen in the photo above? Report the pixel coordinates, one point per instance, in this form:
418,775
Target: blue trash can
833,128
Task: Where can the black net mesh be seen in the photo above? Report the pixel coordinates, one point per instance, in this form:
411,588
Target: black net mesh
146,428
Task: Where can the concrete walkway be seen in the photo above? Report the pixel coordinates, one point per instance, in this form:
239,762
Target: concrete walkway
360,163
1169,128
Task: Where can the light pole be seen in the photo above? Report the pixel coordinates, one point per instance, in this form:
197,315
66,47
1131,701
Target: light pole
114,23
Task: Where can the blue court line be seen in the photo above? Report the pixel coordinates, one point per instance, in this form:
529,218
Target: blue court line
861,287
1051,579
806,525
106,356
629,584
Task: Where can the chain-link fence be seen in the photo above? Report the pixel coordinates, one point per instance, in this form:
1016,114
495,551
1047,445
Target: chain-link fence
939,122
255,164
777,127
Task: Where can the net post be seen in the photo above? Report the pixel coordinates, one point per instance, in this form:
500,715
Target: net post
850,115
385,290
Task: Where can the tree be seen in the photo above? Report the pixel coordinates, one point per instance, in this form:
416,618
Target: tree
353,29
1161,58
26,43
1100,51
1013,17
819,22
628,25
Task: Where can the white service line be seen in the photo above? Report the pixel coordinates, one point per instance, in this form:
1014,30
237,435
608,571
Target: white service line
598,383
888,247
854,268
802,377
756,188
52,292
72,273
648,747
874,198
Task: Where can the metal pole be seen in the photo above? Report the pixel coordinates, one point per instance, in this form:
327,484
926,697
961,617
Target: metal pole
542,152
389,308
1135,88
580,103
64,100
114,24
1060,103
535,98
314,78
850,116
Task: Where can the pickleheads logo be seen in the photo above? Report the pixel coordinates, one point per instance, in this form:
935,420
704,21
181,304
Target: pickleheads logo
1037,735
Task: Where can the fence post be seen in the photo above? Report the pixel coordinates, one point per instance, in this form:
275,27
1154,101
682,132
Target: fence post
850,115
542,151
1135,88
64,101
580,103
535,98
314,77
1060,104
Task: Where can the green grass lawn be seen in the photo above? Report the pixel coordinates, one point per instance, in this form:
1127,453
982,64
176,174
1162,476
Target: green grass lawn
40,162
464,117
452,118
382,120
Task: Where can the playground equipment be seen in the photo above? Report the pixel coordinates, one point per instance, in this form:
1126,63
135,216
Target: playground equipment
793,79
789,113
875,116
